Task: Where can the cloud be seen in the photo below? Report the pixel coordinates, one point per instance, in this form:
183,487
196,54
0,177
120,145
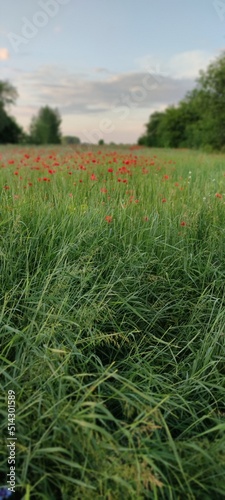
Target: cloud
188,64
179,66
4,54
79,93
126,99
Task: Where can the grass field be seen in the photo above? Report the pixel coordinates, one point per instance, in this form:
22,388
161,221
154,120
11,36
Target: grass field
113,322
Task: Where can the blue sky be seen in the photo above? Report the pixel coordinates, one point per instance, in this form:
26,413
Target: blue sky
106,64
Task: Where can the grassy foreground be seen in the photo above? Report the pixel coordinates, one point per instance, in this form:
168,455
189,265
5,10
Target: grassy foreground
113,323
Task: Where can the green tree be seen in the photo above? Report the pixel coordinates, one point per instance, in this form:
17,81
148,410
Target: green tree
151,138
198,121
8,93
211,85
70,140
10,131
45,127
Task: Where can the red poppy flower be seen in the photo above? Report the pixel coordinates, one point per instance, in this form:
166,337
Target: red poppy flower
218,195
163,200
108,218
183,223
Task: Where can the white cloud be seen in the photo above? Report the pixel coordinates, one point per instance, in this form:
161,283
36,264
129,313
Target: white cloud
84,101
4,54
188,64
181,65
126,99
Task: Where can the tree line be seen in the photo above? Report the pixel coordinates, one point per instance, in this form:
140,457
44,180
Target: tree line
44,127
198,121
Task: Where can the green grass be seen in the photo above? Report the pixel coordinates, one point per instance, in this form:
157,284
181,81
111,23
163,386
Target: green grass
112,333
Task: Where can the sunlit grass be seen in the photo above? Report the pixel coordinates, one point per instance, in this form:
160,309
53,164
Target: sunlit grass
112,323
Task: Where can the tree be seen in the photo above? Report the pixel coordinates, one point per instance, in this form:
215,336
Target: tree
211,84
151,138
198,120
8,93
45,127
71,140
10,131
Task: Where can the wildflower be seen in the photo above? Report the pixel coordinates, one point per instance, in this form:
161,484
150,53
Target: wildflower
163,200
93,177
108,218
218,195
6,187
183,223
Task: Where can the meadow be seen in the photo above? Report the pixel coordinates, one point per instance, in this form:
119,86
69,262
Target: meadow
113,322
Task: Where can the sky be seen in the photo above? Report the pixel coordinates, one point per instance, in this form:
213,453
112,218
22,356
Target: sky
106,64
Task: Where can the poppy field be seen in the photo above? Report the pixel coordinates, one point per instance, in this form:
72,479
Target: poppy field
113,322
